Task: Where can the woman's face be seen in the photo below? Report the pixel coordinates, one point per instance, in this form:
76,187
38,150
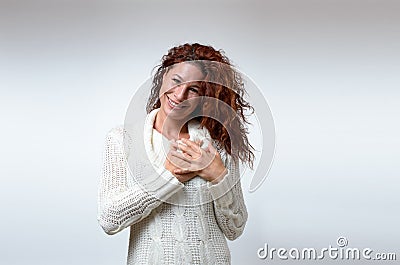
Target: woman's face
178,98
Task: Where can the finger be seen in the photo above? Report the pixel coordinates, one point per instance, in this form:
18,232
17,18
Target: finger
195,147
178,159
188,150
185,177
181,171
169,155
179,162
180,155
181,165
173,145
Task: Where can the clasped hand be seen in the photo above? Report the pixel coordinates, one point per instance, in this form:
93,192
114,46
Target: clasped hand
186,159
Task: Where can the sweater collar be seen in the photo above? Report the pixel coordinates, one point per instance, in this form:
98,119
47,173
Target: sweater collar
194,129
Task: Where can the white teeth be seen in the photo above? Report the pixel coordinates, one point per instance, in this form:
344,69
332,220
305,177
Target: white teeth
172,103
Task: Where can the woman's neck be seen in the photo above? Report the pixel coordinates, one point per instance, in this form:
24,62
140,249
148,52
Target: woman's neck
171,129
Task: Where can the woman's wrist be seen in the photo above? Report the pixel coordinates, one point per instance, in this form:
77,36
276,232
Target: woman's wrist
213,173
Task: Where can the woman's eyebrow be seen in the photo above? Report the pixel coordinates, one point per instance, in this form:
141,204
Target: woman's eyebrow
180,77
182,80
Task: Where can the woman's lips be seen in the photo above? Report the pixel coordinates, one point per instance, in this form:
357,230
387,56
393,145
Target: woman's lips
173,104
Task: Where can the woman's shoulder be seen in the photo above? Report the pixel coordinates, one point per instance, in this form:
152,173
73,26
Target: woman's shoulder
118,134
119,138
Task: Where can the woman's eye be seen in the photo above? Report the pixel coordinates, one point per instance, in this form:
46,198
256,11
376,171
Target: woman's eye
194,89
177,81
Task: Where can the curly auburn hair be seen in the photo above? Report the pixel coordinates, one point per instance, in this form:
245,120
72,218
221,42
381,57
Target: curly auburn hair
224,84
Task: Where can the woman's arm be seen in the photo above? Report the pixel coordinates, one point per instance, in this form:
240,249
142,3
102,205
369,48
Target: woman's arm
230,209
122,201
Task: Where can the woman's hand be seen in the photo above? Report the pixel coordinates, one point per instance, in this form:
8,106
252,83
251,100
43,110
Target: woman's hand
206,163
176,171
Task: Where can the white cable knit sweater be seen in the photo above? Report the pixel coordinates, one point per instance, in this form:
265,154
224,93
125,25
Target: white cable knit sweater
170,222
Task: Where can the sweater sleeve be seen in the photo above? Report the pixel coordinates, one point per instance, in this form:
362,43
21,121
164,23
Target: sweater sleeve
229,206
122,200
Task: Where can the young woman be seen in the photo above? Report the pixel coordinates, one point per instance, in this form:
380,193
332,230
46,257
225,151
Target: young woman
182,210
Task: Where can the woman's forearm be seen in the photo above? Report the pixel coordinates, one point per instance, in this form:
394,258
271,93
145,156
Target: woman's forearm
229,206
123,202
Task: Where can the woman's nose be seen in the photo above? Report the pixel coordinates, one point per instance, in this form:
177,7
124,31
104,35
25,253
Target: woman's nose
180,92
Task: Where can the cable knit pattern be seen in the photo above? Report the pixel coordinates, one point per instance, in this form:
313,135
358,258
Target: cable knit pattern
170,222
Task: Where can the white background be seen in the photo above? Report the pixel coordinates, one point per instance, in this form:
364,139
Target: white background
329,70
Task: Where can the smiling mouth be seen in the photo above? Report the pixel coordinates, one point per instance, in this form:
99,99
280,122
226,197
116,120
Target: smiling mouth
174,104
